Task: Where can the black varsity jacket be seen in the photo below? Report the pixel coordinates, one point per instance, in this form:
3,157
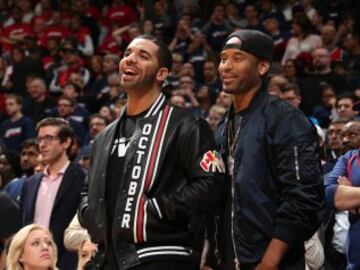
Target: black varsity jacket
172,180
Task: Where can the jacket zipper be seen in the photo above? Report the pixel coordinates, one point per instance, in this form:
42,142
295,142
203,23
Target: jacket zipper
296,157
236,260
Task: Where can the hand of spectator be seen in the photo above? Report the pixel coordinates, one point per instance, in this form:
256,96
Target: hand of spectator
264,266
342,180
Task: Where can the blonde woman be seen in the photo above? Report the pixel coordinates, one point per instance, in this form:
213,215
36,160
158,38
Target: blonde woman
32,248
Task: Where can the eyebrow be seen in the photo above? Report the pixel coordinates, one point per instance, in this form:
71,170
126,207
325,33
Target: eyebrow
141,51
236,53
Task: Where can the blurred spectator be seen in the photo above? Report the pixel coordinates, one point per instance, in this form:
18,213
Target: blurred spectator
326,110
54,29
198,52
9,167
39,105
233,15
65,109
269,9
291,94
224,99
147,27
352,44
303,42
344,106
173,79
31,248
217,29
28,161
16,128
329,40
108,113
211,75
82,35
182,38
279,36
293,71
14,30
187,69
252,17
17,55
178,100
216,112
311,86
86,253
97,123
72,64
276,84
51,198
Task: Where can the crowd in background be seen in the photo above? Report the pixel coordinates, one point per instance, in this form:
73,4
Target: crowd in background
60,59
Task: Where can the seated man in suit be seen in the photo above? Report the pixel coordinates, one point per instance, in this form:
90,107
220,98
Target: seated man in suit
51,198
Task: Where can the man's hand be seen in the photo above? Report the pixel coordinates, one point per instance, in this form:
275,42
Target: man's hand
342,180
263,266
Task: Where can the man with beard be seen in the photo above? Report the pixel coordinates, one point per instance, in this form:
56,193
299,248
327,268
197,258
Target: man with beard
154,176
273,160
28,161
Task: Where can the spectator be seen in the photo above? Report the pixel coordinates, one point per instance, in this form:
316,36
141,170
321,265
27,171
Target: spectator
198,51
17,55
293,71
108,113
182,38
178,100
75,235
352,44
211,75
216,112
224,99
350,135
252,17
51,198
82,35
72,64
326,110
217,29
31,248
39,104
276,84
173,79
28,161
85,253
329,41
65,109
9,167
291,94
15,129
279,36
303,42
342,194
344,106
335,147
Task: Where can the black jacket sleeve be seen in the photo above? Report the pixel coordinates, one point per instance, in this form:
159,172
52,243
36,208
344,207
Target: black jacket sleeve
205,173
297,165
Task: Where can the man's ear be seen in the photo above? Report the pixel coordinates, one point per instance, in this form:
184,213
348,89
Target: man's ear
162,74
263,67
68,141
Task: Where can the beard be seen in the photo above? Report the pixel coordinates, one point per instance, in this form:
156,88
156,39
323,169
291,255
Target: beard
145,83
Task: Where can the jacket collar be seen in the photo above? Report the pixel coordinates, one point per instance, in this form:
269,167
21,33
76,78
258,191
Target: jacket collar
154,108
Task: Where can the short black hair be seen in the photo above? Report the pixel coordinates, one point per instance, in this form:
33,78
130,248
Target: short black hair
346,95
164,54
30,143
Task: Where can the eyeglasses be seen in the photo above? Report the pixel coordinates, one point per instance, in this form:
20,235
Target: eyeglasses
47,139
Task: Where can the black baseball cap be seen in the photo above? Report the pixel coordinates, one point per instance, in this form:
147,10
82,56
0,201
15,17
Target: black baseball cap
252,41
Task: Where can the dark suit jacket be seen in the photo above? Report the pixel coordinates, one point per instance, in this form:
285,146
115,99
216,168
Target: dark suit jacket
65,206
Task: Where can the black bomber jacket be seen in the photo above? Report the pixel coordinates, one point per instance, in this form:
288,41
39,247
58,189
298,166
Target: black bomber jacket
173,178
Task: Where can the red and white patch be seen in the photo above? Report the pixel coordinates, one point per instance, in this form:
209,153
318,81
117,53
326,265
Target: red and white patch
212,162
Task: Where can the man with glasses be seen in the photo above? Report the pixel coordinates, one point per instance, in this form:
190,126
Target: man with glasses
51,198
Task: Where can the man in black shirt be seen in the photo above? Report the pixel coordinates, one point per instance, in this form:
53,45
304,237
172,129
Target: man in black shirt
154,177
